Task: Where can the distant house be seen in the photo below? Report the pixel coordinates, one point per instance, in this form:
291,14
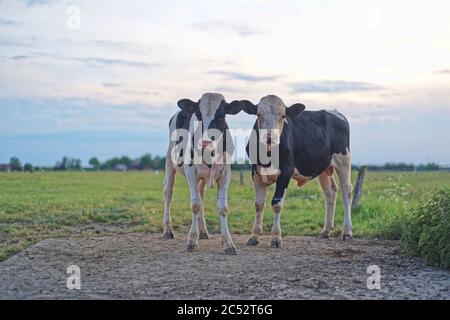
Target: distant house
135,165
120,167
5,167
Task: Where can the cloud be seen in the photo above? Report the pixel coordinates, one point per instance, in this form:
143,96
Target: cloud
20,57
242,30
77,114
96,61
30,3
16,58
12,43
7,22
443,71
333,86
243,76
229,89
121,45
111,84
89,61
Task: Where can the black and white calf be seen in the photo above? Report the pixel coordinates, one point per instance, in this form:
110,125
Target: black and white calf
206,117
309,144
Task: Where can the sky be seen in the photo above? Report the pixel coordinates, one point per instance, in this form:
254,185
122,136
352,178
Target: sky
102,78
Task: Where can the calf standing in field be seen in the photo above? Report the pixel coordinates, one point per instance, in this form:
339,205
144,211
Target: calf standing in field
204,119
310,144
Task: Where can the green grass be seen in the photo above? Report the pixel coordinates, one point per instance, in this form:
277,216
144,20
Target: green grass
39,205
426,231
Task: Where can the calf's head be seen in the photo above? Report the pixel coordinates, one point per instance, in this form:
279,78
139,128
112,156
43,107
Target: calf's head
210,111
272,115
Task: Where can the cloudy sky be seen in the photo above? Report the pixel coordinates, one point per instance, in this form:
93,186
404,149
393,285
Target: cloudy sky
85,78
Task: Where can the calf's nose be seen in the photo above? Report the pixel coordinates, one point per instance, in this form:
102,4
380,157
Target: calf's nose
206,143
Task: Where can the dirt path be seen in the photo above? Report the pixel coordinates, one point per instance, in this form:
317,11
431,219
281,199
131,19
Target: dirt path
144,266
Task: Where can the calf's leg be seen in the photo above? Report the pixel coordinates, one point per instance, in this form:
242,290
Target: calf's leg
196,205
343,168
277,205
201,217
329,190
222,211
260,199
169,180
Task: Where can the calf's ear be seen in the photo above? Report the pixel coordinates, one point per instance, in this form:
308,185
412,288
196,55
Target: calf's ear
188,106
295,110
249,107
234,107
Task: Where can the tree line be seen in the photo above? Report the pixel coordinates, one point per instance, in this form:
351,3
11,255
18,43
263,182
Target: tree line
145,162
149,162
124,163
402,166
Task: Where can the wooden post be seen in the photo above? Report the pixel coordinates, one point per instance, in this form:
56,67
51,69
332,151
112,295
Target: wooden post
241,177
359,186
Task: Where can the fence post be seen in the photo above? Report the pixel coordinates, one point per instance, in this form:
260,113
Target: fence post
359,186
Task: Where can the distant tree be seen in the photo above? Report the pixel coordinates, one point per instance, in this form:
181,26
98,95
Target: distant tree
28,167
401,166
15,164
94,163
431,166
76,164
146,161
125,161
158,163
63,164
68,164
241,166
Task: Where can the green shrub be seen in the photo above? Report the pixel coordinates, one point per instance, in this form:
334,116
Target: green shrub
426,232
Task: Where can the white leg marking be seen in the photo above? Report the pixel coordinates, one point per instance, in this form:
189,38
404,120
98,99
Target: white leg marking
343,168
276,228
222,211
260,199
168,192
201,217
329,189
196,204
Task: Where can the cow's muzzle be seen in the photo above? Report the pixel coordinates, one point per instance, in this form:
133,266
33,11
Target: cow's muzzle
270,139
207,144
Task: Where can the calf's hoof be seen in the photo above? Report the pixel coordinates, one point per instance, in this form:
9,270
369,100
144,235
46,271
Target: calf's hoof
325,234
231,250
347,236
203,235
168,235
191,246
252,242
276,243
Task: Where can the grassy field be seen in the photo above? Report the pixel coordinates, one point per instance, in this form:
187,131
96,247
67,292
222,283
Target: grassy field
39,205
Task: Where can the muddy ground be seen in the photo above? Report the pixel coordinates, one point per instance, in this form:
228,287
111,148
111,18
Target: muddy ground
143,266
